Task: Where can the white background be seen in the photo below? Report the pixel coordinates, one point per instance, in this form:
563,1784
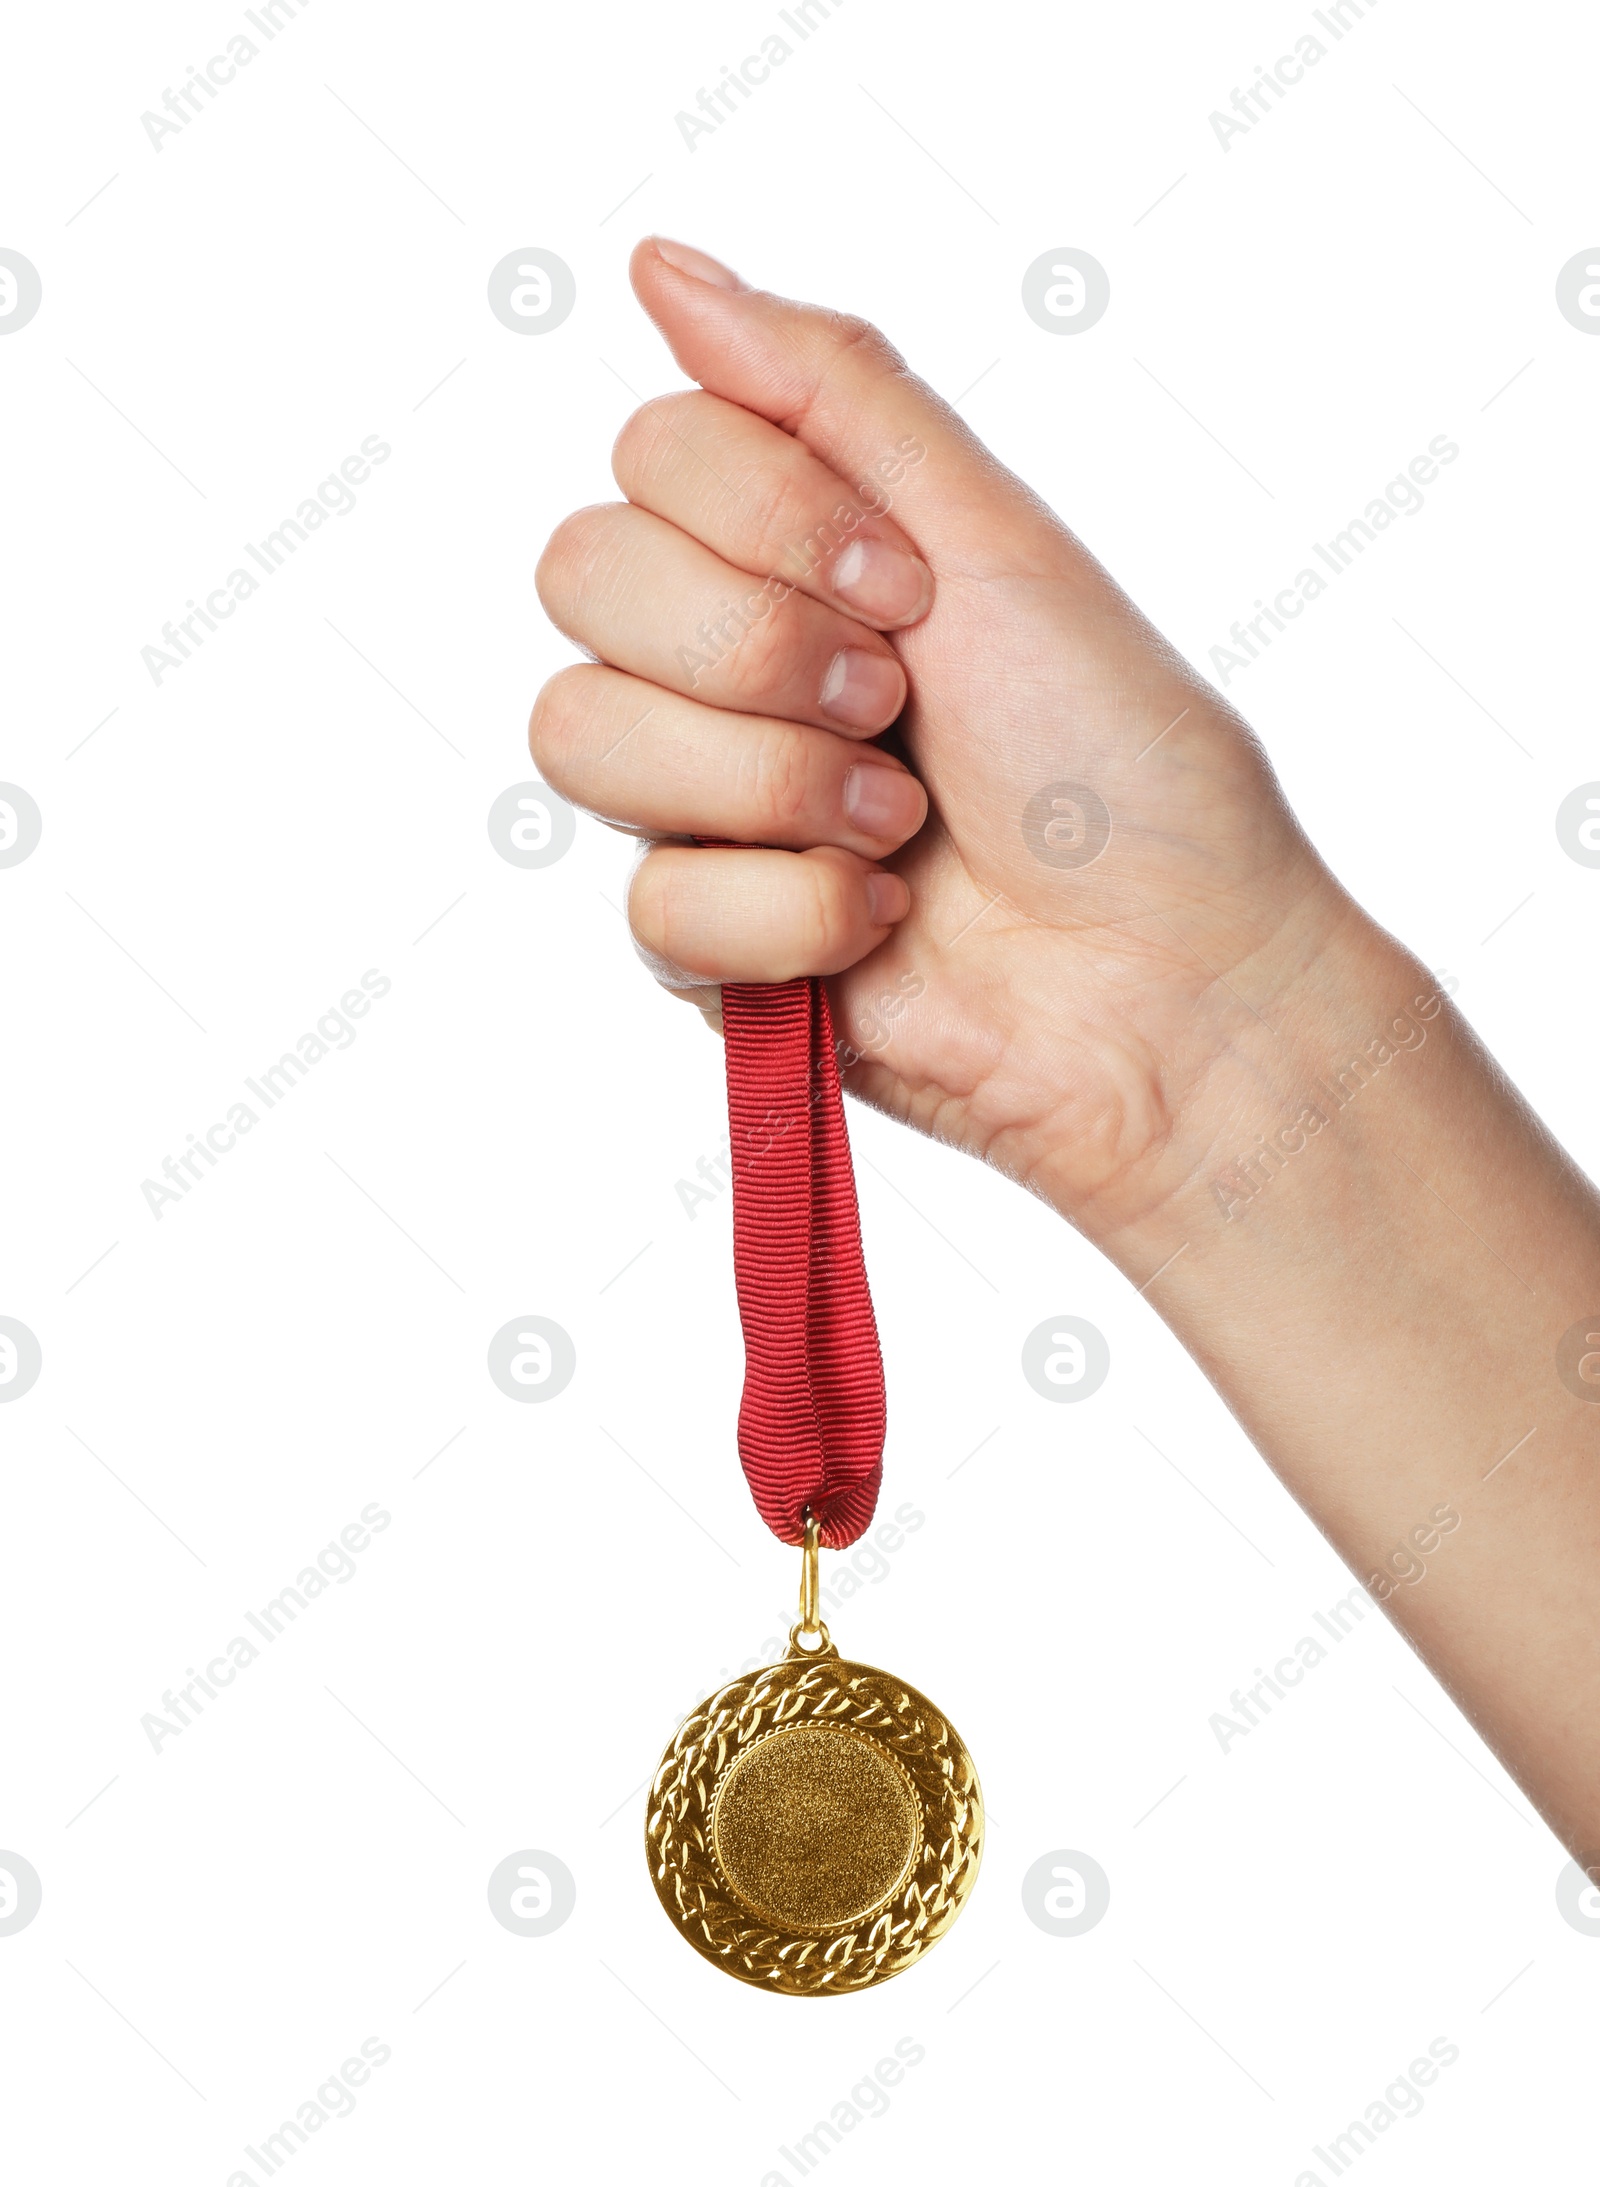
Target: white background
306,798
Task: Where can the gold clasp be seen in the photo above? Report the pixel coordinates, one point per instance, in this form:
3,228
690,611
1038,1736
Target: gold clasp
809,1562
810,1635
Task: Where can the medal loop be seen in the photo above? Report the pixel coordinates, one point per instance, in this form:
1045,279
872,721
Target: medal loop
809,1636
817,1642
809,1560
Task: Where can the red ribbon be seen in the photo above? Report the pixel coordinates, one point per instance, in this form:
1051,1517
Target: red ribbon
811,1421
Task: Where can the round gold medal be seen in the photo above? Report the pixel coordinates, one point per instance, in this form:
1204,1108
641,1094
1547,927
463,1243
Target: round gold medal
816,1825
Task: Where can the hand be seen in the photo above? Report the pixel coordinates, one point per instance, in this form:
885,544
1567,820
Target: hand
1064,1020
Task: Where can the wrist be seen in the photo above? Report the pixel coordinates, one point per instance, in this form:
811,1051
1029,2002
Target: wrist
1277,1056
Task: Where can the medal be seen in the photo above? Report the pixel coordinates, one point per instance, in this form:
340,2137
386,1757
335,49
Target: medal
815,1825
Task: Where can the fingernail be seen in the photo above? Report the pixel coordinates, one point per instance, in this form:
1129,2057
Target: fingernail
862,690
882,582
888,898
698,265
883,801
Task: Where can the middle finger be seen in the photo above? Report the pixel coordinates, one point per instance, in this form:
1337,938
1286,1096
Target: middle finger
647,598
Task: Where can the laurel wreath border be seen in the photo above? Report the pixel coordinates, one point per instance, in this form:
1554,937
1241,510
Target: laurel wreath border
810,1689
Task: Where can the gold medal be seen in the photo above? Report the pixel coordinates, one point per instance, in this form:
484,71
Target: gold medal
816,1825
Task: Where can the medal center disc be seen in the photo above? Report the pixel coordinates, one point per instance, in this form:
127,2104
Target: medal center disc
816,1827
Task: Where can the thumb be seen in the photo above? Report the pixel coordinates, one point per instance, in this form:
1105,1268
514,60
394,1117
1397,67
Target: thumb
839,387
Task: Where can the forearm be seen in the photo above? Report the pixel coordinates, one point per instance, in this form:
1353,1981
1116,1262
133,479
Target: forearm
1378,1252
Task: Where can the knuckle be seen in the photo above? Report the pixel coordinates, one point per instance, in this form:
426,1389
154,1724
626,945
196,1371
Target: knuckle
773,517
646,901
829,925
558,724
849,335
573,553
648,439
770,652
780,789
838,341
662,912
631,450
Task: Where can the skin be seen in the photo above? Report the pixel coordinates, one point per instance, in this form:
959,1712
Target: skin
1374,1270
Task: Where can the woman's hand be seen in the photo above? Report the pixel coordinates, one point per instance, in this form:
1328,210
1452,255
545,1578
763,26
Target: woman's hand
1042,958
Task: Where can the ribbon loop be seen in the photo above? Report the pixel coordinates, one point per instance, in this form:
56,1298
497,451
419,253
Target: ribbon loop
812,1417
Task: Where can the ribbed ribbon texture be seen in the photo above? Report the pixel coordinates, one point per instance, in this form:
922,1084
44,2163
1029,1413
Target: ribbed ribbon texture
812,1418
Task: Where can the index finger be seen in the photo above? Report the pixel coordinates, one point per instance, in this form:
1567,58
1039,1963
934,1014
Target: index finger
766,504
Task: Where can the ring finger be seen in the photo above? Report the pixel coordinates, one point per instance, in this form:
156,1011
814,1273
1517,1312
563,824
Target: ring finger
648,759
